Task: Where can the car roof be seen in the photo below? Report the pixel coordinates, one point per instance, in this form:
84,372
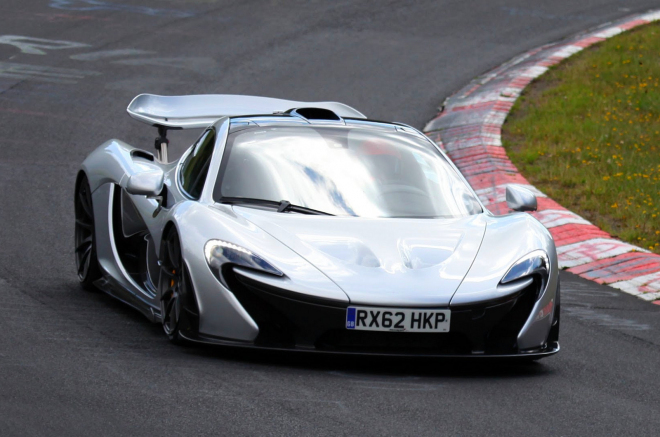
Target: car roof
293,119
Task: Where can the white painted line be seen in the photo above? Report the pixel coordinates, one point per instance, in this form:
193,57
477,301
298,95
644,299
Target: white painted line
475,99
653,16
556,217
649,296
478,134
584,252
534,71
99,5
43,74
628,290
496,118
198,64
566,51
103,54
36,46
477,140
651,281
512,93
609,32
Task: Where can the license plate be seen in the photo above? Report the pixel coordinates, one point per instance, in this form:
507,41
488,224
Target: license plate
397,320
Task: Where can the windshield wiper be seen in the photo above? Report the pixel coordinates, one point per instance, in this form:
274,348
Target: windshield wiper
282,205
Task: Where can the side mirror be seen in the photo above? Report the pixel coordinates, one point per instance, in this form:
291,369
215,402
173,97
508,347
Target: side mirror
520,199
148,183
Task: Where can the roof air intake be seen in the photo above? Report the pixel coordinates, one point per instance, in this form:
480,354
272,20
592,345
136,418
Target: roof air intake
316,114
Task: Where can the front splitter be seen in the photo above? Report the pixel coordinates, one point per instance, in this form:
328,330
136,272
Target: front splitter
550,349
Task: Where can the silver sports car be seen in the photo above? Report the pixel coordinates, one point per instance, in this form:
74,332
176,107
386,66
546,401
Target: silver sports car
307,226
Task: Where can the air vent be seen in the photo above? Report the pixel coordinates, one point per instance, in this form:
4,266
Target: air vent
316,114
136,153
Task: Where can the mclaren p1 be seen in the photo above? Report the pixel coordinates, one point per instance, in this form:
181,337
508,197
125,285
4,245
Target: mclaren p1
307,226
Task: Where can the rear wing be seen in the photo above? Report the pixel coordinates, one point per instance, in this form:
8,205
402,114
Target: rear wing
200,111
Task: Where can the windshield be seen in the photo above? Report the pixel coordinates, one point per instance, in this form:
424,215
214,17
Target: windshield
353,171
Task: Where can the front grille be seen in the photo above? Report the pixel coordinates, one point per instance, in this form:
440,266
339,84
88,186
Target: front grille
503,338
286,321
283,320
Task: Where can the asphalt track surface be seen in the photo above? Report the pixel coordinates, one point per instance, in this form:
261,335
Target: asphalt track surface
78,363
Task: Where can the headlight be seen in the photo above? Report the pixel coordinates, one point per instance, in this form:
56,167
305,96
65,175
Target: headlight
534,263
219,253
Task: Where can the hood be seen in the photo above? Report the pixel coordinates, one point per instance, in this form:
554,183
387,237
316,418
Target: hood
390,262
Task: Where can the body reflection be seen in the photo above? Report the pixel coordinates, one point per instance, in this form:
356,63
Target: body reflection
343,171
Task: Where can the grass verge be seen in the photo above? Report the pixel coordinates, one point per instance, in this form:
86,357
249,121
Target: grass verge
587,133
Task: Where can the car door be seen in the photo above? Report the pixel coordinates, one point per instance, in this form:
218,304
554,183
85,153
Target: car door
138,216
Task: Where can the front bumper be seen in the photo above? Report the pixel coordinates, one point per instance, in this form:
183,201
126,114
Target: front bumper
290,321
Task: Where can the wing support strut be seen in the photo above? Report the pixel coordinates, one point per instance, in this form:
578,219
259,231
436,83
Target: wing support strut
161,144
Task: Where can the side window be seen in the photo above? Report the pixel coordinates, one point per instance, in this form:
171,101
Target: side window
194,169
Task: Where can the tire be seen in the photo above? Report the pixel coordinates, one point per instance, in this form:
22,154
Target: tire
178,306
87,263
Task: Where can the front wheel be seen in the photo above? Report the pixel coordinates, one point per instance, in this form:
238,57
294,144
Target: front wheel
177,295
87,263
